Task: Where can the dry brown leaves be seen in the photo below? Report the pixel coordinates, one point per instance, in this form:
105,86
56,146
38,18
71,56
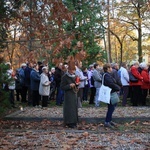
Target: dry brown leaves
53,135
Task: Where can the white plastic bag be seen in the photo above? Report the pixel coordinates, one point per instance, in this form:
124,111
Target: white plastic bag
104,93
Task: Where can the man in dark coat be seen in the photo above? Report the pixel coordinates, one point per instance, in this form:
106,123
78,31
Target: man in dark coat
57,77
27,72
68,85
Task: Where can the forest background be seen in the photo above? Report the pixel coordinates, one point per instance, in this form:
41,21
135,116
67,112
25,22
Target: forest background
89,30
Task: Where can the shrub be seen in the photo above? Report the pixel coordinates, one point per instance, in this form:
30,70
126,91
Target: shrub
4,92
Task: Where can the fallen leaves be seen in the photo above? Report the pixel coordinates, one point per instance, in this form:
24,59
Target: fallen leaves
46,134
73,139
57,112
85,134
146,123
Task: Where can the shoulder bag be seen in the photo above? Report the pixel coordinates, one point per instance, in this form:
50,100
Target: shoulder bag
104,93
132,78
114,98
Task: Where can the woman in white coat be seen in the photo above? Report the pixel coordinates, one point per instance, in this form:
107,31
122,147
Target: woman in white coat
44,88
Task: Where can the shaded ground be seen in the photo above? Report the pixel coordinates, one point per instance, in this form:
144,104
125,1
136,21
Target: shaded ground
45,133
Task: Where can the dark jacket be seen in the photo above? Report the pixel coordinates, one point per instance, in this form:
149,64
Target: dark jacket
22,76
57,76
110,82
52,80
27,72
70,100
86,82
18,82
35,80
115,75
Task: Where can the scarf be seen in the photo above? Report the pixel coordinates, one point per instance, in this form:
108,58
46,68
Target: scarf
70,75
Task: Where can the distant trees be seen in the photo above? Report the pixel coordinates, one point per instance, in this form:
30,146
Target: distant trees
45,29
8,11
132,15
59,30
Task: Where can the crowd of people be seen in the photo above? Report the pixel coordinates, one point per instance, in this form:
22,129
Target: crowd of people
70,85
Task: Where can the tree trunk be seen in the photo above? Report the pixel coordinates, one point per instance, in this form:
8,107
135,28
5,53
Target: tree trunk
121,50
108,31
139,34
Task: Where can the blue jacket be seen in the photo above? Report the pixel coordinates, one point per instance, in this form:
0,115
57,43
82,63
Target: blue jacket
35,80
22,76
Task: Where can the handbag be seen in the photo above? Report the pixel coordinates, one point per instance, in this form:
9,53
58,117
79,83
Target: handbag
114,98
132,78
104,93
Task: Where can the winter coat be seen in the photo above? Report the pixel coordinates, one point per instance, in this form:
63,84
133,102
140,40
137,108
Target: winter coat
44,88
146,79
97,78
86,82
90,73
17,82
22,76
124,75
135,72
52,80
34,80
115,75
11,85
79,73
57,76
27,72
70,113
111,82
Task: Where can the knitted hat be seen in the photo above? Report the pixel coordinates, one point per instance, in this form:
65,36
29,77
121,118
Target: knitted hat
143,65
44,68
23,65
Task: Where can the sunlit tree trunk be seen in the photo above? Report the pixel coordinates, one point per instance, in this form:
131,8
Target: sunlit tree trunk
108,32
139,34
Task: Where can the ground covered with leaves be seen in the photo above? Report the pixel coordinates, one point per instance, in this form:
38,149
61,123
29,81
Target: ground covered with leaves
47,134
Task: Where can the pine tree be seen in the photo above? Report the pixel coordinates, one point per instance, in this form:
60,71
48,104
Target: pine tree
4,80
87,28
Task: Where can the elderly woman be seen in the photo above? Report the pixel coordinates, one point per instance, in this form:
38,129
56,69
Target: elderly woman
34,82
68,85
136,86
111,83
44,88
146,82
82,79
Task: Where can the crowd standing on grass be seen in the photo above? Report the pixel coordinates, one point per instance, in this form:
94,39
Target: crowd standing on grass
37,85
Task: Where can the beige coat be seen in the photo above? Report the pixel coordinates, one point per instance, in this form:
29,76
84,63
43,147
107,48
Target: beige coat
44,88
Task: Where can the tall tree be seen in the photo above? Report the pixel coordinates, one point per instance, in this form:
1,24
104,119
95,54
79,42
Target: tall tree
40,27
108,31
87,28
8,11
135,13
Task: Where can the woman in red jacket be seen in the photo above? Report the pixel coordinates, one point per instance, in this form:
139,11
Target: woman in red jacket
146,83
136,86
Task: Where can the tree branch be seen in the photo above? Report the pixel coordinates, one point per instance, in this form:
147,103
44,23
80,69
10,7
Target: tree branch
129,23
133,38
